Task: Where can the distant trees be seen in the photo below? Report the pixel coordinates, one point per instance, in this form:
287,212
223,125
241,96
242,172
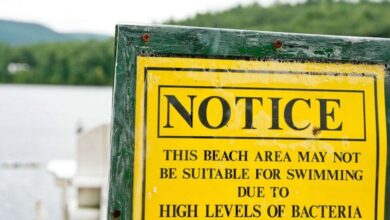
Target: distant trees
75,63
339,17
4,60
92,62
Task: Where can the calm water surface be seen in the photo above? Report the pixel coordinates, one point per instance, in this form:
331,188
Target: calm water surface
38,124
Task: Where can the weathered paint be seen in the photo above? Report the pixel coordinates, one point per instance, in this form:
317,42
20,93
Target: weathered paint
218,43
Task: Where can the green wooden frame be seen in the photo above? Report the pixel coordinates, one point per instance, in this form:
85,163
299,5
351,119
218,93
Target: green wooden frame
217,43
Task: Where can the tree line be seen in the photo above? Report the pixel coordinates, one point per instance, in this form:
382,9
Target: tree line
92,62
74,63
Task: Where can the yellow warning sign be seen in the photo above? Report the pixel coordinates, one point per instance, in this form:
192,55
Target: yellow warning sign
238,139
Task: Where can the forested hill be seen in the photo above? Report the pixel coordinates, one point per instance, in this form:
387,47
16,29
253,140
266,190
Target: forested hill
364,18
92,62
21,33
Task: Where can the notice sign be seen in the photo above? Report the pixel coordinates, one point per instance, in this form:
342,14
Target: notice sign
239,139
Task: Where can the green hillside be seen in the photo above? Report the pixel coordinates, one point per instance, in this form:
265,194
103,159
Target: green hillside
364,18
92,62
20,33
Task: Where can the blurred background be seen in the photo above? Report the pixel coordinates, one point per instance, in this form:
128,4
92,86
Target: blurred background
56,76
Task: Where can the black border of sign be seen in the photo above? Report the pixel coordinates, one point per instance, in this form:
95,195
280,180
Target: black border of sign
146,69
263,137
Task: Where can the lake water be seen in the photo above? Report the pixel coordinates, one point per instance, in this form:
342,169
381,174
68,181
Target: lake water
38,124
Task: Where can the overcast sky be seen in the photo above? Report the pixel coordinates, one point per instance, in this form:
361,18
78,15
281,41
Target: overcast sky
100,16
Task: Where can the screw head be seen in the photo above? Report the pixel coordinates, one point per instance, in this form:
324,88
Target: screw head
145,38
116,214
278,44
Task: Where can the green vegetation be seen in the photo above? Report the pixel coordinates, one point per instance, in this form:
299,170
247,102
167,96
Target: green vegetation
75,63
92,62
364,18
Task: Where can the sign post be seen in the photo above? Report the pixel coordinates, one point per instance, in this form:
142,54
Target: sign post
226,124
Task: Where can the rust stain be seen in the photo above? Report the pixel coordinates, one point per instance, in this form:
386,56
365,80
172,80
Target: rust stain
316,131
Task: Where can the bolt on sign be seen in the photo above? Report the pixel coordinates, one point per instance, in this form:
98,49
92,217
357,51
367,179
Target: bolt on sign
231,124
